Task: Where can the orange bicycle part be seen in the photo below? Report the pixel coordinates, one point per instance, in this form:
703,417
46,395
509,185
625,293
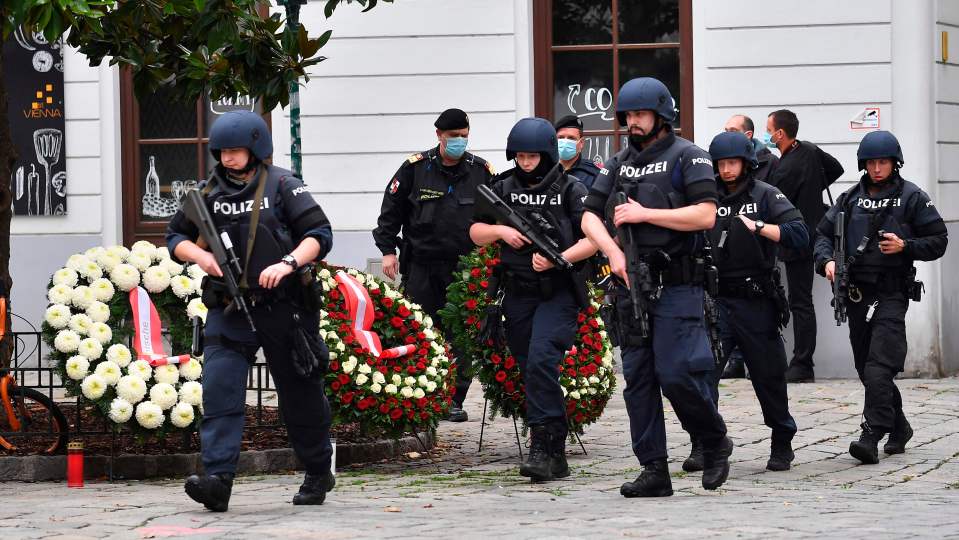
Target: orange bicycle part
7,383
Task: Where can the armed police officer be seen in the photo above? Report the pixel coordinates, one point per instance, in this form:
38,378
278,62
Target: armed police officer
570,140
541,301
887,223
430,202
277,228
671,200
751,220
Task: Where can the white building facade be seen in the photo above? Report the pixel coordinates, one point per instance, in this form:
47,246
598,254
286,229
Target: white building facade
391,71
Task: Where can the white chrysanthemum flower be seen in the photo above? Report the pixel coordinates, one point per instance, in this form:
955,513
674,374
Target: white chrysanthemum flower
379,378
192,392
120,410
182,415
168,374
126,276
57,316
119,251
156,279
65,276
172,267
162,254
95,252
93,387
144,247
406,392
91,271
141,369
391,389
182,286
108,261
149,415
76,262
131,388
90,347
98,312
109,371
195,271
365,368
82,297
140,261
191,370
419,393
164,395
77,367
119,354
376,388
60,294
410,381
102,289
101,332
196,308
431,387
66,341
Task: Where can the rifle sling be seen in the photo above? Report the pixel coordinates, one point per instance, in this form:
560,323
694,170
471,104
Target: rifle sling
874,223
254,221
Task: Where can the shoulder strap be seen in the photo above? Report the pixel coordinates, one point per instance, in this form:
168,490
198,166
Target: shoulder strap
254,221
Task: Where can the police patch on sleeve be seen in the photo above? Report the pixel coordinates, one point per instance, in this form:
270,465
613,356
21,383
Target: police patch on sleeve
394,186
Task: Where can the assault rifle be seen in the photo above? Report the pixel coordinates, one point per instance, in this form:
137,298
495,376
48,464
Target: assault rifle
840,281
222,247
711,311
531,228
638,272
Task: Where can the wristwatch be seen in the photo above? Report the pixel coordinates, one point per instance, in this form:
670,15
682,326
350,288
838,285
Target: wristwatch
759,225
290,260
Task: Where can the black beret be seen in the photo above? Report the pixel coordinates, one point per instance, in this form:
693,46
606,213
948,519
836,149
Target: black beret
452,119
570,120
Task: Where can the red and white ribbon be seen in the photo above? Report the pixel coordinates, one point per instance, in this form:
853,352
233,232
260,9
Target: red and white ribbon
148,341
360,308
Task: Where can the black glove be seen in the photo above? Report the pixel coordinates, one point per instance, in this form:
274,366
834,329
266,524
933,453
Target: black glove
311,357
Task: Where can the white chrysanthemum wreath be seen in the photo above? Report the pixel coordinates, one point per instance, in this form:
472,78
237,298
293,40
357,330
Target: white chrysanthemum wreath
87,327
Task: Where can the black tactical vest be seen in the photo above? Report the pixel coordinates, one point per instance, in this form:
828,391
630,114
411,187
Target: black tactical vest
232,211
738,252
861,211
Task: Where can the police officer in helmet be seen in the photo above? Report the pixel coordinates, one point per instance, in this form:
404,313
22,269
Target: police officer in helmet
291,232
751,220
895,224
430,202
541,302
672,200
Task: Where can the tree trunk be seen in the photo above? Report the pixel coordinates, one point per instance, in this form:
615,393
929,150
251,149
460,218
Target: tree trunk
8,156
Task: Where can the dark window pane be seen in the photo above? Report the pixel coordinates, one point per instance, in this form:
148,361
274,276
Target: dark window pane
649,21
583,85
599,148
662,64
582,22
166,171
161,118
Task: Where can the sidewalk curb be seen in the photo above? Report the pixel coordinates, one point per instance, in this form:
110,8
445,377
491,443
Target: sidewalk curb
140,467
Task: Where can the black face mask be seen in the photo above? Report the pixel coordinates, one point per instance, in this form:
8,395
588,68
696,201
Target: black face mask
536,175
637,141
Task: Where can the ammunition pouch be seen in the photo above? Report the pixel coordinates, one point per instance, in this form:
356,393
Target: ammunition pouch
626,328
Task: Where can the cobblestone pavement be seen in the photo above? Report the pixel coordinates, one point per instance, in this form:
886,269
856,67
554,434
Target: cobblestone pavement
456,491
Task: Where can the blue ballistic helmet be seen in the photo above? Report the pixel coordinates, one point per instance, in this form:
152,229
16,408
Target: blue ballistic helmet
645,94
241,129
532,135
732,144
879,144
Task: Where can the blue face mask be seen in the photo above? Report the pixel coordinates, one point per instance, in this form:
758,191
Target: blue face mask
455,147
768,140
567,149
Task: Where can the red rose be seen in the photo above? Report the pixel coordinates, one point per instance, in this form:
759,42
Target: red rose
412,370
388,302
482,251
476,272
510,362
594,323
415,325
410,415
410,340
509,387
421,366
384,409
471,320
396,322
470,304
581,318
344,378
496,359
583,372
500,376
363,405
383,369
598,360
347,397
484,284
348,339
571,372
397,369
396,414
335,294
471,287
334,365
597,345
374,292
579,418
407,404
378,315
591,310
404,311
335,385
570,361
421,403
425,415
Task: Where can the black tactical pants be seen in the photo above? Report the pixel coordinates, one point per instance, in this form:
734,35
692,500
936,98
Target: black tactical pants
751,324
426,285
879,351
799,277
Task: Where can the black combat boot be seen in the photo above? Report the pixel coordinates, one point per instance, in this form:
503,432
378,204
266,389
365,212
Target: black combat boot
538,463
800,373
654,481
695,460
866,449
900,435
211,490
314,488
781,456
457,414
735,368
716,463
558,431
